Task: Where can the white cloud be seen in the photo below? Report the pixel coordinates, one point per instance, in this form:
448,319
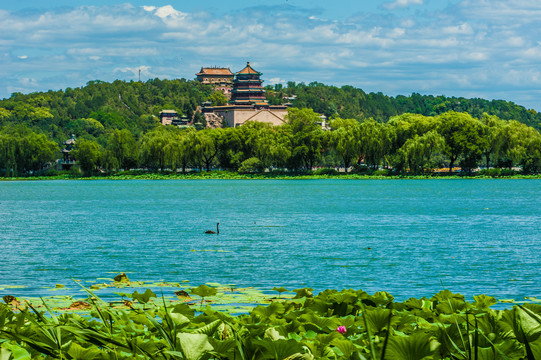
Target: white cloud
436,52
145,70
402,4
458,29
277,80
506,11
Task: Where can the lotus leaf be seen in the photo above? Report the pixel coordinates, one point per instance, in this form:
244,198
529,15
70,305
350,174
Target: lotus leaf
483,302
418,346
203,291
144,297
304,292
13,352
194,346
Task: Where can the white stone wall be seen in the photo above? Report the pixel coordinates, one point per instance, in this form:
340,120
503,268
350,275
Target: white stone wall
238,117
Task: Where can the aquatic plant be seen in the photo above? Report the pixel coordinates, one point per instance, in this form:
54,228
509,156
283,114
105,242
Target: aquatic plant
347,324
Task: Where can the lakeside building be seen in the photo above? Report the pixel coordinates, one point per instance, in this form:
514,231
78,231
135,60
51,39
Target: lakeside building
247,103
171,117
67,160
220,78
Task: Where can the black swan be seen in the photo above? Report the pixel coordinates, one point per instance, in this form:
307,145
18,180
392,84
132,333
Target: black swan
214,232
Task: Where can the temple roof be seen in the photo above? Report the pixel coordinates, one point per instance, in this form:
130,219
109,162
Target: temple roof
215,71
249,70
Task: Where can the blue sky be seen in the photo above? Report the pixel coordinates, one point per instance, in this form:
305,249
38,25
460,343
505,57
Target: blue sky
473,48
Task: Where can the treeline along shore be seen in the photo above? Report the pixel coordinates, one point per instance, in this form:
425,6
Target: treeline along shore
115,127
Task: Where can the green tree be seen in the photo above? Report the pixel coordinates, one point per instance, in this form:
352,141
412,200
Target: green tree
87,153
4,114
463,137
531,160
153,147
417,152
273,147
520,145
205,146
175,149
22,150
8,150
217,98
38,151
493,139
306,138
123,145
86,125
406,126
230,154
375,139
345,139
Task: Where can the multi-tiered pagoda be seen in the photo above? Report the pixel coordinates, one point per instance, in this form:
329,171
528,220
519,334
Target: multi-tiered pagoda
247,103
247,88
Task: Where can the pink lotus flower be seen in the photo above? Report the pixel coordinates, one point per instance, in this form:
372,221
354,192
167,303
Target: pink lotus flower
341,329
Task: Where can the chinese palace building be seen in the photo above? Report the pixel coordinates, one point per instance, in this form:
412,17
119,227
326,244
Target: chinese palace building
247,103
221,78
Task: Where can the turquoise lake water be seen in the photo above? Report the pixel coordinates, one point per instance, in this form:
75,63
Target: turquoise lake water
407,237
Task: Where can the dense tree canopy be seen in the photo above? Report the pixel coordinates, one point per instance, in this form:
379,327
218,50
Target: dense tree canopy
350,102
116,126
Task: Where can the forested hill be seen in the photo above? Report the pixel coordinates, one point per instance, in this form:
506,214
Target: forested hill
99,106
350,102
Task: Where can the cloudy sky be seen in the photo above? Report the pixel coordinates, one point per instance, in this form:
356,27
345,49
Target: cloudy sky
473,48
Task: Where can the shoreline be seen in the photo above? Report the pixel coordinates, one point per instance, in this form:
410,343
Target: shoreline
220,175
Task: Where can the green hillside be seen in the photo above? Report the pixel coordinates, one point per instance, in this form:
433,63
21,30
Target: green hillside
116,126
350,102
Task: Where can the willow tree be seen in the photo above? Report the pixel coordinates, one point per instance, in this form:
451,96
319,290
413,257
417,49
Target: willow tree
306,138
273,146
345,139
417,152
22,150
375,141
406,126
208,145
123,145
87,153
521,144
463,138
152,148
492,138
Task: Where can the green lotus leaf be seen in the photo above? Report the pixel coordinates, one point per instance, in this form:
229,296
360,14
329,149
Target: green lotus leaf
304,292
282,349
13,352
273,334
418,346
346,347
483,302
179,319
144,297
123,294
194,346
76,351
203,291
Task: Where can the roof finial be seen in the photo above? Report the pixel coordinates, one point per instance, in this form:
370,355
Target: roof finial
248,63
